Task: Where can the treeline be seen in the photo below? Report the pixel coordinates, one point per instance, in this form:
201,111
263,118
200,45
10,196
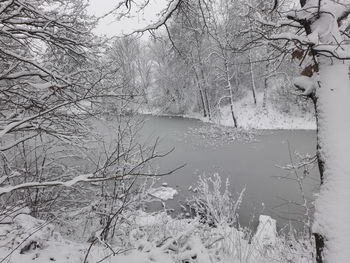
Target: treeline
208,57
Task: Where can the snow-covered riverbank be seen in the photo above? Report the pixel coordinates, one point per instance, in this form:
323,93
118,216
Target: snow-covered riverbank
155,238
250,116
255,117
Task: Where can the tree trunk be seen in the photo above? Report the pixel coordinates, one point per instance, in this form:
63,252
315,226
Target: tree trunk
252,77
203,103
201,96
332,209
232,112
204,81
204,84
266,82
228,83
265,94
207,102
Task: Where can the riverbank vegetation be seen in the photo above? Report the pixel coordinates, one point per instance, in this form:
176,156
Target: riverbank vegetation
212,235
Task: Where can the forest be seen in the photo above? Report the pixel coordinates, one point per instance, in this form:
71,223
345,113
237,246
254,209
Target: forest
216,131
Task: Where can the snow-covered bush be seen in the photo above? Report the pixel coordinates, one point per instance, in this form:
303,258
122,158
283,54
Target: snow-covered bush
213,201
26,239
156,237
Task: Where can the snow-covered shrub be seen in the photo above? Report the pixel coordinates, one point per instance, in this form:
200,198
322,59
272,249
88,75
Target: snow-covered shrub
213,201
281,98
112,159
107,216
227,241
156,238
26,239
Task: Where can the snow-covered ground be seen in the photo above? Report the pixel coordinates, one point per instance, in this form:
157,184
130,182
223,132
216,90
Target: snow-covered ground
163,193
250,116
26,239
155,238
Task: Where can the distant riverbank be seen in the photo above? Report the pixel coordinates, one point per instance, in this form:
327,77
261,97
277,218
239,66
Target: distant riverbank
249,116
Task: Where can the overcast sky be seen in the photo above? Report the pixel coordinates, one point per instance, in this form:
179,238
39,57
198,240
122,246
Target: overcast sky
110,27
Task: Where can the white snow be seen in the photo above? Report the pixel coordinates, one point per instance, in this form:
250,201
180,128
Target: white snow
69,183
163,193
251,116
266,234
306,84
28,239
332,211
155,238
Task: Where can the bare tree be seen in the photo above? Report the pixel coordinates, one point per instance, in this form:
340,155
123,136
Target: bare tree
222,30
54,79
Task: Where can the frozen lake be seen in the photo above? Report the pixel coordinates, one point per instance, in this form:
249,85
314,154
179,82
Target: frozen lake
247,164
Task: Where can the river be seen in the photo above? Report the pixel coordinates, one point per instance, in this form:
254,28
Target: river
252,164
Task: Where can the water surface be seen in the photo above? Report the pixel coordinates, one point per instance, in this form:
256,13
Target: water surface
253,165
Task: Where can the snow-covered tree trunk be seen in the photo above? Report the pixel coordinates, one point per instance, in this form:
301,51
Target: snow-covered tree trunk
332,210
330,88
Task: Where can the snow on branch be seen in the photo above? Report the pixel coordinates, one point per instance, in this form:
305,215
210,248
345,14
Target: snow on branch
17,142
80,178
86,178
18,124
306,84
165,15
293,37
